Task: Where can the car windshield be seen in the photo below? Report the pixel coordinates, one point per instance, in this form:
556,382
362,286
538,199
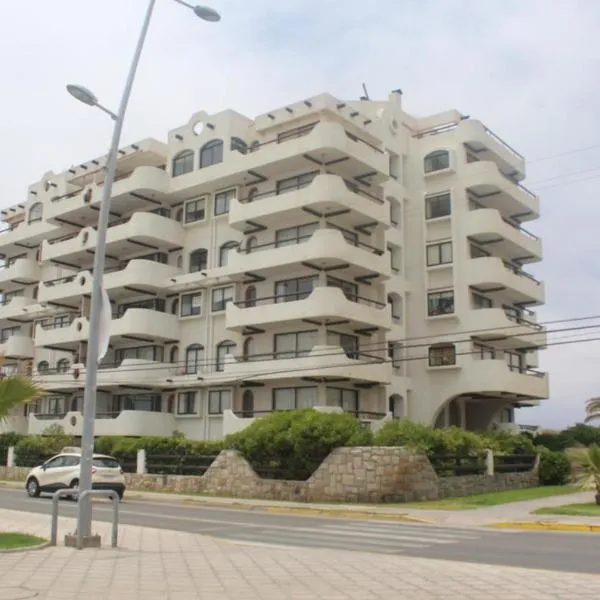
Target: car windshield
106,462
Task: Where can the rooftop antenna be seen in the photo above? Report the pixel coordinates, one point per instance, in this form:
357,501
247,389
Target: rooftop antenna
366,93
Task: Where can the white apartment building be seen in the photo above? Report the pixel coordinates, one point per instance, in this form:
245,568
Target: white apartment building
327,253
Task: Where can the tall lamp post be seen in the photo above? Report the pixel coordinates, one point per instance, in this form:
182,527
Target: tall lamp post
99,328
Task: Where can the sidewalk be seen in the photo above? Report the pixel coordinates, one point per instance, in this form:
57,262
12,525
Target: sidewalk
164,565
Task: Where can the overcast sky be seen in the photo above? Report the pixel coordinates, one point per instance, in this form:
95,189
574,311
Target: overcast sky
529,69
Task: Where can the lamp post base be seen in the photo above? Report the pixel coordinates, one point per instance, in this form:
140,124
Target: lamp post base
88,541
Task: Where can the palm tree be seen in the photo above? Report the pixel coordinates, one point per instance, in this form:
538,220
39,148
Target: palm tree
592,409
16,390
590,478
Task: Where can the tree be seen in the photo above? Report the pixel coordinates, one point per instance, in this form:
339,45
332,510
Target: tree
590,478
16,390
592,409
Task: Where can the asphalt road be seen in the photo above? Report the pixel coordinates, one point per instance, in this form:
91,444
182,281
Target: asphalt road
577,552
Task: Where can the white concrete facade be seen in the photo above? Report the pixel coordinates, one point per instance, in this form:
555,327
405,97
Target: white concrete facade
327,253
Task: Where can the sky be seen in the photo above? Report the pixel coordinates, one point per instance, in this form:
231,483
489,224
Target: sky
527,68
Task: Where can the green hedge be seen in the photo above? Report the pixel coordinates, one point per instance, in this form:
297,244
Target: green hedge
6,441
32,451
555,468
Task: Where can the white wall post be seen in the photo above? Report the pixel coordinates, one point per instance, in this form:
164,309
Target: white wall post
141,462
489,462
10,457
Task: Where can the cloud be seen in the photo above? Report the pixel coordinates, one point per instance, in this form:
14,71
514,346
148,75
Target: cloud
527,69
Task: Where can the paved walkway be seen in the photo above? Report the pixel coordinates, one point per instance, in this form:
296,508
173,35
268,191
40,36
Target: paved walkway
164,565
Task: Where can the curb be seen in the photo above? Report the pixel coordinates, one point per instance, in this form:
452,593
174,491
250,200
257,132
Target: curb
547,526
25,548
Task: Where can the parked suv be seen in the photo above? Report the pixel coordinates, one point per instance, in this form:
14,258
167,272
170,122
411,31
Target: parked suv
62,471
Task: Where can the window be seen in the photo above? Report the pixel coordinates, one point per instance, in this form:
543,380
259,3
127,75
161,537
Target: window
251,243
483,352
198,260
248,349
395,257
295,183
56,405
294,397
8,332
151,353
292,345
350,236
436,161
223,349
438,206
195,210
395,355
219,401
211,153
439,254
442,355
395,211
194,358
250,296
350,290
248,404
186,403
143,402
224,251
43,366
157,304
62,366
349,343
395,302
175,307
515,361
174,355
36,212
222,200
183,163
480,301
294,235
291,290
238,145
191,304
347,399
221,297
440,303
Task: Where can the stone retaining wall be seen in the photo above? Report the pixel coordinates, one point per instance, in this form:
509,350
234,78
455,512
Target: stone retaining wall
364,474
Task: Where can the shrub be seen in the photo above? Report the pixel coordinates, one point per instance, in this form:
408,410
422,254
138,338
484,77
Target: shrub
292,444
555,468
554,442
32,451
6,441
504,442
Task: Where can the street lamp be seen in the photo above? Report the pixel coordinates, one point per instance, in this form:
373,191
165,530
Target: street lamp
99,326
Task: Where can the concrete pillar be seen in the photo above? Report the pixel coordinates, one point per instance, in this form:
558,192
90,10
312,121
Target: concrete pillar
489,462
141,462
11,457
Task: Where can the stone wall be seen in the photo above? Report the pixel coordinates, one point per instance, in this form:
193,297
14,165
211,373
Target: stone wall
364,474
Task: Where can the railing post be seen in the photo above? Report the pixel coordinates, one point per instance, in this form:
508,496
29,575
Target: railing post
489,462
10,457
141,462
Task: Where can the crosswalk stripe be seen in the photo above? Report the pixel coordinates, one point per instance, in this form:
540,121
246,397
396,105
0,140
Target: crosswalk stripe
445,539
419,530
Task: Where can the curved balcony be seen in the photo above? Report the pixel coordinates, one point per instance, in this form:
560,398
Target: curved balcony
495,277
14,240
486,184
483,142
323,362
486,227
502,330
15,308
138,324
325,142
138,191
124,423
17,346
22,272
143,275
140,231
325,195
323,304
323,249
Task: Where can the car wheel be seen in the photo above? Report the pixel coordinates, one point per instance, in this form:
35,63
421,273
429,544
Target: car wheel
33,488
74,485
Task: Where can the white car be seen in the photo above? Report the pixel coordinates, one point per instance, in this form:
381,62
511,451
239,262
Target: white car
62,472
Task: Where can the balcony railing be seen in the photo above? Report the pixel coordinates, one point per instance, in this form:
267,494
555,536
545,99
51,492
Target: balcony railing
522,230
525,371
290,134
523,321
303,295
517,270
500,141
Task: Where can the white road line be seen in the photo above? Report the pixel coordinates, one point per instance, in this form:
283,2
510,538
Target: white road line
422,530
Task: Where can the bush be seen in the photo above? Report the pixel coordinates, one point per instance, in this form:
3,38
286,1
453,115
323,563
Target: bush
555,468
554,442
503,442
6,441
32,451
292,444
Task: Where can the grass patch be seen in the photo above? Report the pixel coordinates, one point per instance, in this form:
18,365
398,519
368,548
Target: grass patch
571,510
11,541
494,498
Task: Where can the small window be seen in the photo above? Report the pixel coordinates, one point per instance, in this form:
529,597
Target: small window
43,366
211,153
36,213
292,290
219,401
186,403
224,252
191,304
440,303
248,404
439,254
238,145
198,260
436,161
293,345
294,235
222,201
438,206
194,359
221,297
295,397
223,349
195,210
295,183
248,349
62,366
183,163
480,301
442,355
104,462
